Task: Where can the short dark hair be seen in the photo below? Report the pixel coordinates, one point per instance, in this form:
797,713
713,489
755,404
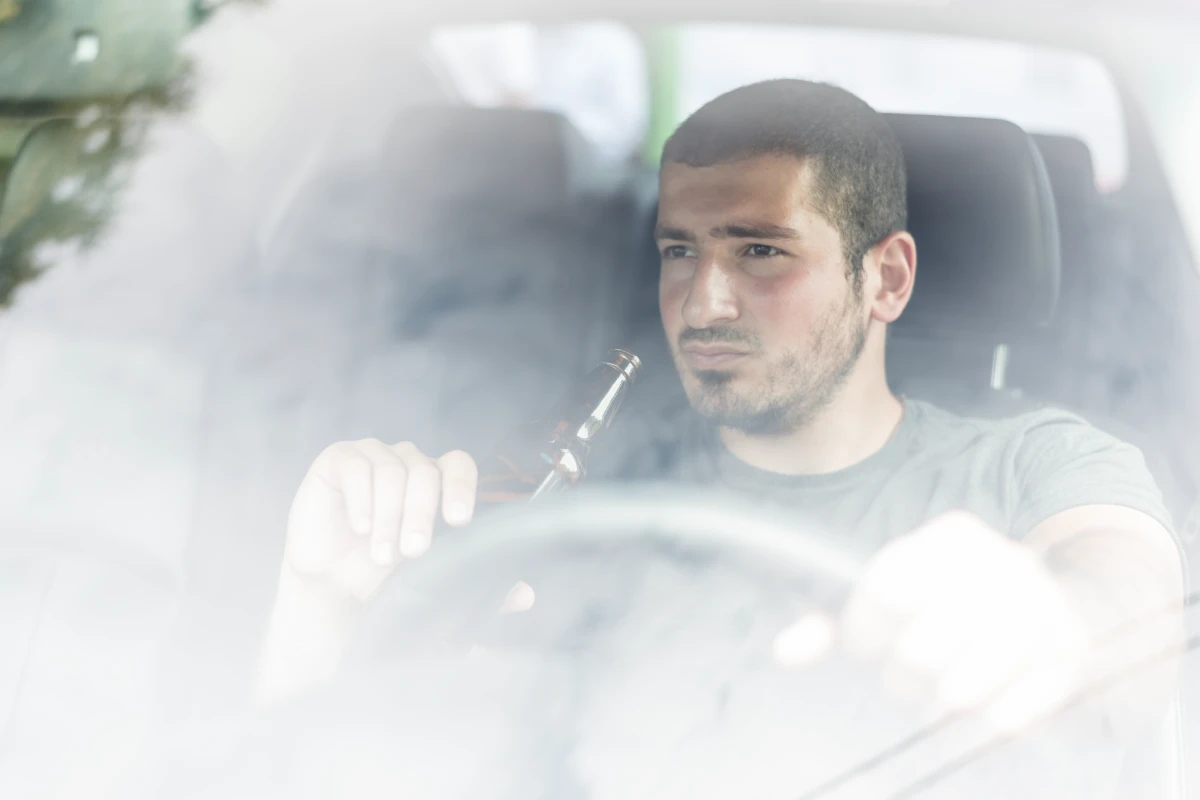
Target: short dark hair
858,164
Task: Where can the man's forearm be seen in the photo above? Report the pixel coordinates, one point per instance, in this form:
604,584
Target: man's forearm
307,635
1129,595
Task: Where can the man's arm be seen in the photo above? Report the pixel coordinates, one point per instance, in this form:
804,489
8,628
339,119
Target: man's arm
362,507
1014,630
1122,572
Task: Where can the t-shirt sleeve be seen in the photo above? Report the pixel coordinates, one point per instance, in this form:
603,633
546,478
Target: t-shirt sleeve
1062,462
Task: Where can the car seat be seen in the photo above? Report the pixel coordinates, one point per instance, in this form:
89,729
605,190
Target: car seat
988,279
502,257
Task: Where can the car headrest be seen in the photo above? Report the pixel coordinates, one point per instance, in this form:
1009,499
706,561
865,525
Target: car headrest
1070,167
481,164
1080,211
981,210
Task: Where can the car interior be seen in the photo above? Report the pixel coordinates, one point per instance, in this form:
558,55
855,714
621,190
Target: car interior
1004,317
497,240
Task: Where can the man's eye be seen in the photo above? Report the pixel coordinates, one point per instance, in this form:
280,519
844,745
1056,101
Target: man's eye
762,251
675,251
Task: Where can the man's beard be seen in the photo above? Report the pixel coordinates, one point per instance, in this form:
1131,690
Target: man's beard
796,388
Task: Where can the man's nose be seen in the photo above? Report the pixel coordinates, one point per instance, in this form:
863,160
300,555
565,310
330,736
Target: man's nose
711,298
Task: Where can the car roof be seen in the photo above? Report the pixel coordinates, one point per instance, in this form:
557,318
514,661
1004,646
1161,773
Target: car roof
1069,23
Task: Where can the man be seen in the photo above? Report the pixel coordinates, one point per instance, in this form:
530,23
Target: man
784,259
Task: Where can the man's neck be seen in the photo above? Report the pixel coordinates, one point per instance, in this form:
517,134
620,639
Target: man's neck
851,428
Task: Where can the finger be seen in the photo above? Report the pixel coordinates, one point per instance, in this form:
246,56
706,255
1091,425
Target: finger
881,607
391,482
805,642
389,485
460,481
985,665
922,654
422,498
869,628
912,574
932,641
353,471
519,598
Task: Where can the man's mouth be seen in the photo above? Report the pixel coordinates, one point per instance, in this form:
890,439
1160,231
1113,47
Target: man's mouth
712,356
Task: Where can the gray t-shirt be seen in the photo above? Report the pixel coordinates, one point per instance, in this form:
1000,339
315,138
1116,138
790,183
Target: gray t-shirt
1013,473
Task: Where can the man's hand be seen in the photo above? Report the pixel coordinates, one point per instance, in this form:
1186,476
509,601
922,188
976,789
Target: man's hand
362,508
365,505
970,619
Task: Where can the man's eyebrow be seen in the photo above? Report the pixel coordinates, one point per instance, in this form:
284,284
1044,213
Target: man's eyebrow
678,234
754,230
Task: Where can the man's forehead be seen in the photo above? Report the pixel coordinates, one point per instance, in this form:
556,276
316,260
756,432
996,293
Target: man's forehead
771,167
767,188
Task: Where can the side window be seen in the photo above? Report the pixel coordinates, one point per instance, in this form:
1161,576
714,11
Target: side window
593,73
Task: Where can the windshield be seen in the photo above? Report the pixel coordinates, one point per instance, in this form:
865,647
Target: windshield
289,296
1043,89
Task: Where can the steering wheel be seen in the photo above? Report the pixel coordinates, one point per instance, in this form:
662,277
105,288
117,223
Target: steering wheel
642,663
591,525
648,636
642,668
668,516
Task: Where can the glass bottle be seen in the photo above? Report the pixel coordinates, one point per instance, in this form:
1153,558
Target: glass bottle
551,454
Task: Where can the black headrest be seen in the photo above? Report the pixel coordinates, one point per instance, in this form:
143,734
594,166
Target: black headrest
981,210
485,163
1073,178
1080,208
1069,164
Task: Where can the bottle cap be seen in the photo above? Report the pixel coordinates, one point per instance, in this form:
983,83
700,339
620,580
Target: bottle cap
625,361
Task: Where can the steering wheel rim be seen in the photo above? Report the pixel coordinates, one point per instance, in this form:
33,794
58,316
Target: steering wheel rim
698,521
665,517
748,533
608,515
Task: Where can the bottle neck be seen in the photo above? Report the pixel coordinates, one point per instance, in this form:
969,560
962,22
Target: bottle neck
604,410
600,396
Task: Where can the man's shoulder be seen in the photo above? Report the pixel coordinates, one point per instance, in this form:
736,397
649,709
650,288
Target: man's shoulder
1032,440
1002,420
1027,439
1051,459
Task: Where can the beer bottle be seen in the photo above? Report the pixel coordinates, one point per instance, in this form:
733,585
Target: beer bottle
551,454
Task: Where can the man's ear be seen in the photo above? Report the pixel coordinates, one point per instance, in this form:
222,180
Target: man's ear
895,261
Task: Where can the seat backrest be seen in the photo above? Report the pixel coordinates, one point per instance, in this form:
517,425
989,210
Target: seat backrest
496,183
982,212
1037,363
493,240
988,262
1003,295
